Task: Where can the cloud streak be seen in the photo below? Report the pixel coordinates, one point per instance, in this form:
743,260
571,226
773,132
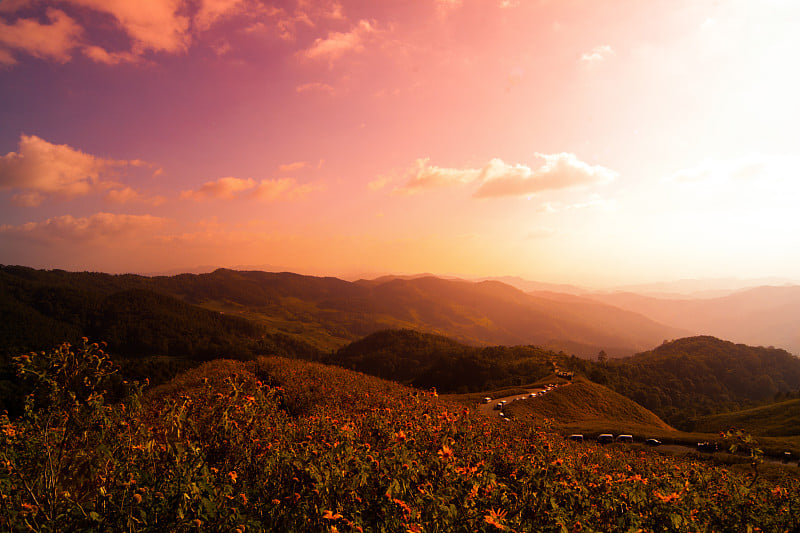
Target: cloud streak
230,188
97,227
498,179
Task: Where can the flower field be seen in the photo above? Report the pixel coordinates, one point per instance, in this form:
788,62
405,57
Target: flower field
284,445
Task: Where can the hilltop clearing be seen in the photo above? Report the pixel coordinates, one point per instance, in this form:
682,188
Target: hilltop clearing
778,419
588,404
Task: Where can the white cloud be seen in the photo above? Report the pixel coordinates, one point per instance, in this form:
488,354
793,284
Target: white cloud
559,171
100,226
757,169
339,43
598,54
497,178
39,168
54,41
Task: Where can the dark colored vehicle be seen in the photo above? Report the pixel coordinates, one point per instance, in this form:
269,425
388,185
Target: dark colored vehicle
624,438
576,437
605,438
653,442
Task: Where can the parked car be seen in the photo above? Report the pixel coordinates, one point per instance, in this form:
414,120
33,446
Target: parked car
707,447
605,438
577,437
487,399
624,438
653,442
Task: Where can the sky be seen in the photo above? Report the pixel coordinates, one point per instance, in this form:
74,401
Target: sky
593,142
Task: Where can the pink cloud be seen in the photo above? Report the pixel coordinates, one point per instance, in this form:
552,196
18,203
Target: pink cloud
282,189
152,24
100,55
226,188
339,43
212,10
100,226
425,176
39,168
315,87
11,6
291,167
129,195
54,41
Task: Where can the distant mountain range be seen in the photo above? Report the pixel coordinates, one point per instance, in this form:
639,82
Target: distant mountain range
329,312
763,316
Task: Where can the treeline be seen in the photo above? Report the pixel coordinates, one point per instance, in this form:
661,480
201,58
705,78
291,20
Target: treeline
424,360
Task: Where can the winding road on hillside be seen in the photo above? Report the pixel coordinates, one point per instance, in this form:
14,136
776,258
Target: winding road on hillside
489,408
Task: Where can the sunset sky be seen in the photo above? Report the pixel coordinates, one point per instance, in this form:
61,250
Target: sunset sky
581,141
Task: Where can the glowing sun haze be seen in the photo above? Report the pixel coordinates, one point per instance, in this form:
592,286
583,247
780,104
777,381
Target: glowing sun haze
591,142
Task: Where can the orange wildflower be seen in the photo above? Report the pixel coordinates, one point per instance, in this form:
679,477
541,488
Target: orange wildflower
446,453
495,518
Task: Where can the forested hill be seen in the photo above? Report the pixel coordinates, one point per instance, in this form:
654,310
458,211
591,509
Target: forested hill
42,309
696,376
330,312
425,360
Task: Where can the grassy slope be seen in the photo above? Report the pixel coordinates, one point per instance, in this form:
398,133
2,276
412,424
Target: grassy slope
593,405
774,420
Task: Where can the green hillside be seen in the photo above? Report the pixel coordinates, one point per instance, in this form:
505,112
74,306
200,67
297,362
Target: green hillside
697,376
285,445
779,419
588,403
425,360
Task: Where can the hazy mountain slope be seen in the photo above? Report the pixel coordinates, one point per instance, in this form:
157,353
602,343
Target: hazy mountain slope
765,316
491,312
330,312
